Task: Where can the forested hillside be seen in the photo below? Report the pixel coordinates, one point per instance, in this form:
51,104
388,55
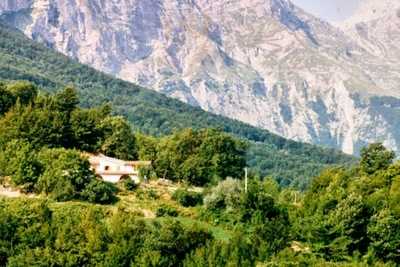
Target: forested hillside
152,113
44,141
348,217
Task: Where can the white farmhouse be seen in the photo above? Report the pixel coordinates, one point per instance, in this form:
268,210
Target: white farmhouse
112,170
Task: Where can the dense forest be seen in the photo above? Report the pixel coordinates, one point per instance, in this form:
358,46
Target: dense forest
291,163
43,138
348,217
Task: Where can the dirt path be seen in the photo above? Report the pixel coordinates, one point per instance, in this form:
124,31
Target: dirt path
148,214
9,192
14,193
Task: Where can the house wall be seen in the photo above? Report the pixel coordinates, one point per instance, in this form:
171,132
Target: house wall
112,167
116,178
111,170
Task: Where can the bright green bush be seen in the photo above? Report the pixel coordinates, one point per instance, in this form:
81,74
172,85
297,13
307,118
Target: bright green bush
19,161
65,174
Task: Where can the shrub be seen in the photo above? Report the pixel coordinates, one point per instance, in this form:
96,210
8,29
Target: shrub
165,210
152,194
19,160
99,192
129,184
227,194
65,174
187,198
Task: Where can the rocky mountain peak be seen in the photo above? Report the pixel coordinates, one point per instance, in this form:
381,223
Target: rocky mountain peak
264,62
371,10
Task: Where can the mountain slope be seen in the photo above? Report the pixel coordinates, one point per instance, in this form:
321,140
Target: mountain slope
154,113
264,62
376,27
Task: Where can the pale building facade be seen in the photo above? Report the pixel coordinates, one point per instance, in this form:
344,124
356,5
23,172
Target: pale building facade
113,170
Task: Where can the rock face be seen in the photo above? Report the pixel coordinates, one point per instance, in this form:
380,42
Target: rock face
265,62
376,27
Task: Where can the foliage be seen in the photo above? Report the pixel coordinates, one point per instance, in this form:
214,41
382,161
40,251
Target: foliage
226,195
119,141
165,210
7,99
129,184
199,157
346,218
238,252
32,233
346,212
99,192
255,212
187,198
65,174
375,157
19,161
23,91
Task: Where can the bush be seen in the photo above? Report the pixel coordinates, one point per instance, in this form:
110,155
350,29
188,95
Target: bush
19,160
187,198
165,210
65,174
152,194
129,184
99,192
226,195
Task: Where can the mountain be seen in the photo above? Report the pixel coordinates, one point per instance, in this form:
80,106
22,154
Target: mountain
376,27
150,112
264,62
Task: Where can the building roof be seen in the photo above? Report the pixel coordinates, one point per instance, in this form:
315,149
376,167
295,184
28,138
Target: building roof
96,159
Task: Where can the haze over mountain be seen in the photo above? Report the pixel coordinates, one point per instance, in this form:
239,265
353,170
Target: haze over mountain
264,62
376,27
330,10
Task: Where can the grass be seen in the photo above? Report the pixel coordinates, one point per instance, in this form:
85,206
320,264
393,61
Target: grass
144,202
147,198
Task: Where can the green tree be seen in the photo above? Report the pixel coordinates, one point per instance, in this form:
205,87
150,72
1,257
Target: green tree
85,125
66,100
19,161
7,100
375,157
39,126
66,174
23,91
147,147
119,141
99,192
384,231
200,156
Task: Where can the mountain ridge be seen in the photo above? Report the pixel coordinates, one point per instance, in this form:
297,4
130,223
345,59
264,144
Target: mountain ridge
265,62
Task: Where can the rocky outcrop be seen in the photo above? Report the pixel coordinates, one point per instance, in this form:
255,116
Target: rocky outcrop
265,62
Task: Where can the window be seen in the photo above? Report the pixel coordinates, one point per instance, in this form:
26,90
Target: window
106,168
